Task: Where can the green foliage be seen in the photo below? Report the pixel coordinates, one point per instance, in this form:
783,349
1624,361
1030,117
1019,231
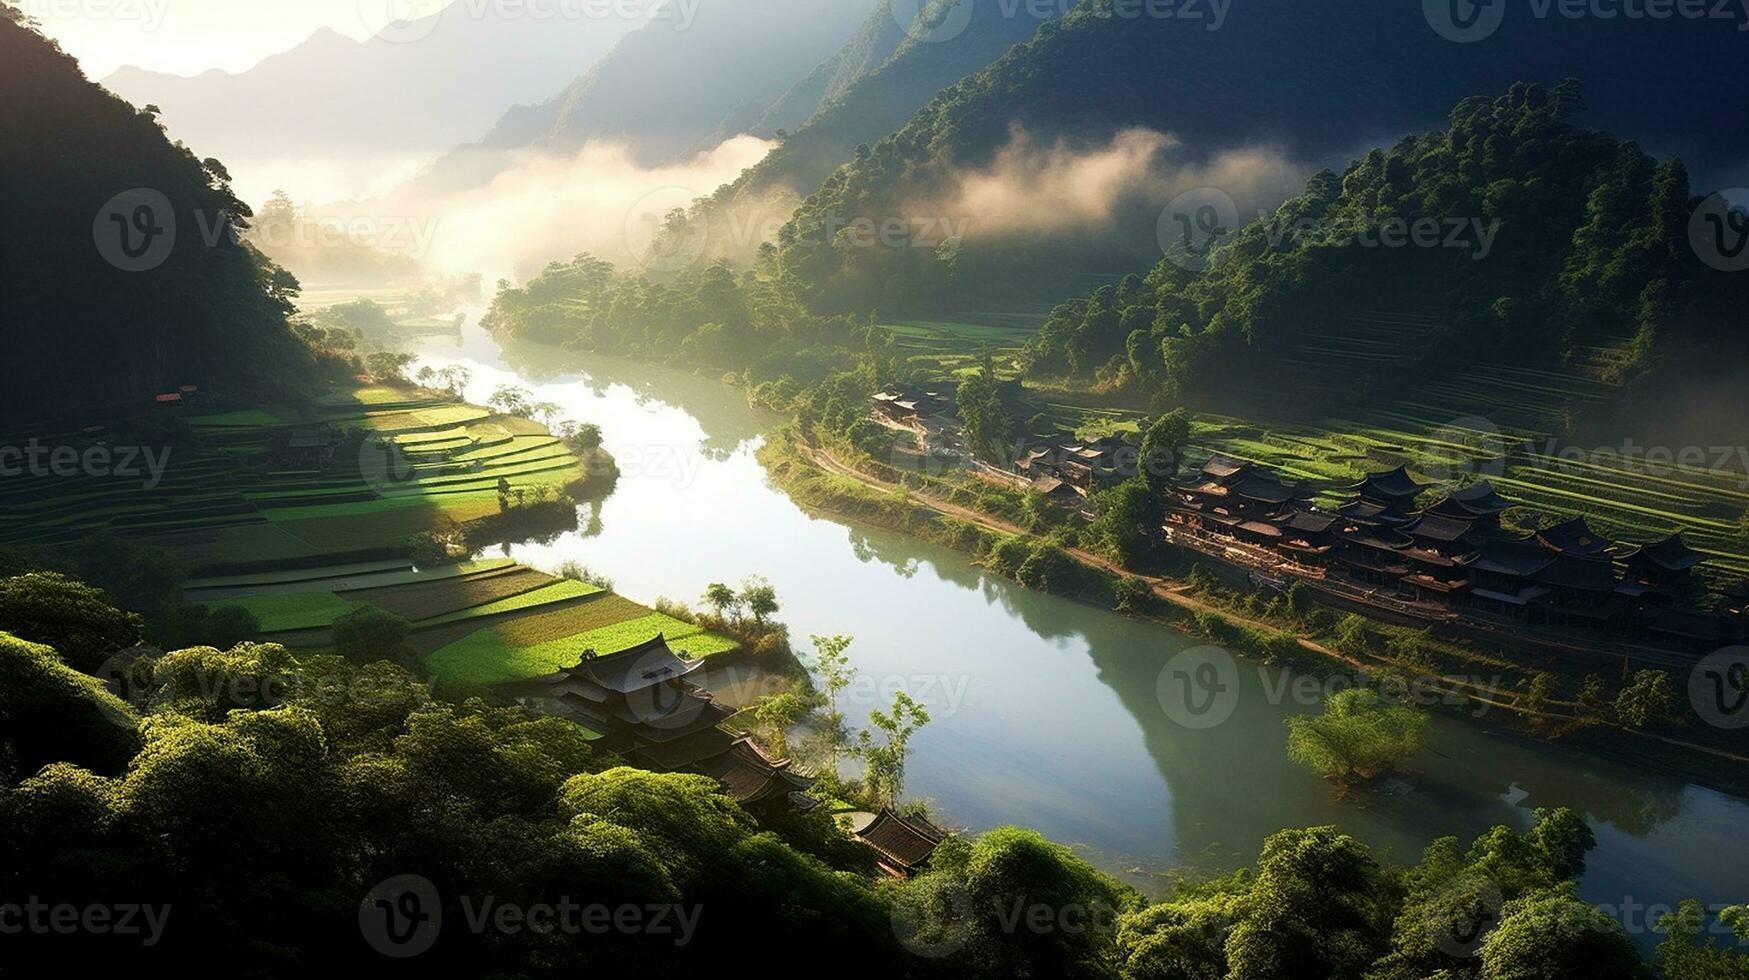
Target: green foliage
1650,698
68,615
1126,523
884,759
1358,736
989,429
1688,953
759,598
50,712
1317,908
369,633
1554,935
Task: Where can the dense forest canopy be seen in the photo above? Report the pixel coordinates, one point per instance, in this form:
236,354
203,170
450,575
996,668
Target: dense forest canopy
249,801
1545,236
121,273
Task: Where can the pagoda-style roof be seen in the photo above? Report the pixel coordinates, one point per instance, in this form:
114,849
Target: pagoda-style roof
1480,500
637,668
1671,554
751,777
1576,539
1308,523
1435,527
904,843
1221,468
686,751
1396,485
1266,488
1518,558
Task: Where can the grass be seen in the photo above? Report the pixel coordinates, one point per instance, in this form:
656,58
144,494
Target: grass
302,611
547,595
540,644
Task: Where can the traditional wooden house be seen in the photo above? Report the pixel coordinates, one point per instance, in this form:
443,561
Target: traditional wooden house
1228,498
909,405
1308,537
902,845
1662,573
1696,631
1390,494
1480,503
638,699
764,786
1503,576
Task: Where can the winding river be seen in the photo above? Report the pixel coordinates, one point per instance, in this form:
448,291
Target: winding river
1048,713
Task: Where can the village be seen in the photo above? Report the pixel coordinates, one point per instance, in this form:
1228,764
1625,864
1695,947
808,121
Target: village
1394,547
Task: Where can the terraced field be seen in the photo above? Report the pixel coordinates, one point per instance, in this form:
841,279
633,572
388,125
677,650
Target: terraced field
400,461
1495,422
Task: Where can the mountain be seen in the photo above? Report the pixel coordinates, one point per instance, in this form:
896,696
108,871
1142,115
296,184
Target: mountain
889,70
673,88
411,91
120,280
1557,247
1280,89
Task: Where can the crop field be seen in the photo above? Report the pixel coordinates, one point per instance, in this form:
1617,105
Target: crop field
529,646
298,611
1495,422
224,497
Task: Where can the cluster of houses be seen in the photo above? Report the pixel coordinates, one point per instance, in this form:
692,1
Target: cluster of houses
932,413
1456,554
647,711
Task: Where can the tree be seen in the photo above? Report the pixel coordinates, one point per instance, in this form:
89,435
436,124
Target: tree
835,674
1163,447
989,429
1554,935
1688,953
1126,522
721,598
1648,699
68,615
369,633
1357,737
760,598
778,713
50,712
884,761
511,400
1315,910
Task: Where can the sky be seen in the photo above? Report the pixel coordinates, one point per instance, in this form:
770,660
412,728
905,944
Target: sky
187,37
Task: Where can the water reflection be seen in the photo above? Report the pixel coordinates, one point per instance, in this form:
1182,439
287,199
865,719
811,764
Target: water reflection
1046,710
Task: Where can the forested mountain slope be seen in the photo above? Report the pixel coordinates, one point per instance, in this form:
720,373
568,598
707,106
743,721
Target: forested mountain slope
867,91
1546,243
1300,85
110,300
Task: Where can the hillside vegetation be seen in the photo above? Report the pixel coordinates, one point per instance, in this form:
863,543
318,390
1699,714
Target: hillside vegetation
80,332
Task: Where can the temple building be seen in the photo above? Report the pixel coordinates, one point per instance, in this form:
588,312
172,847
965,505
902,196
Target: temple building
645,709
1383,499
1228,498
1480,503
902,845
1503,576
1662,573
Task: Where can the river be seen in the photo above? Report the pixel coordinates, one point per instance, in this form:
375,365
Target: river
1048,713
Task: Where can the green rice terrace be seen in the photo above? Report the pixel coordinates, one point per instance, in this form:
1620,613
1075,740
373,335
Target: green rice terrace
303,514
474,625
1489,421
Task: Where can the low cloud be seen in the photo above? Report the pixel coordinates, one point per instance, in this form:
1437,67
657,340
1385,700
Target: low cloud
600,200
1033,189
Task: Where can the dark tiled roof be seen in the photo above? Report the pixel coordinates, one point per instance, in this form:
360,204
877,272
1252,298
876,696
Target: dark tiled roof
1479,500
1506,557
1222,467
1671,554
905,841
1433,527
643,666
1575,538
1580,573
1395,485
1307,523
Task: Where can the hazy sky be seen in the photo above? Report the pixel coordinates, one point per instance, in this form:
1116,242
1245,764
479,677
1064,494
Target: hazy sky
187,37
